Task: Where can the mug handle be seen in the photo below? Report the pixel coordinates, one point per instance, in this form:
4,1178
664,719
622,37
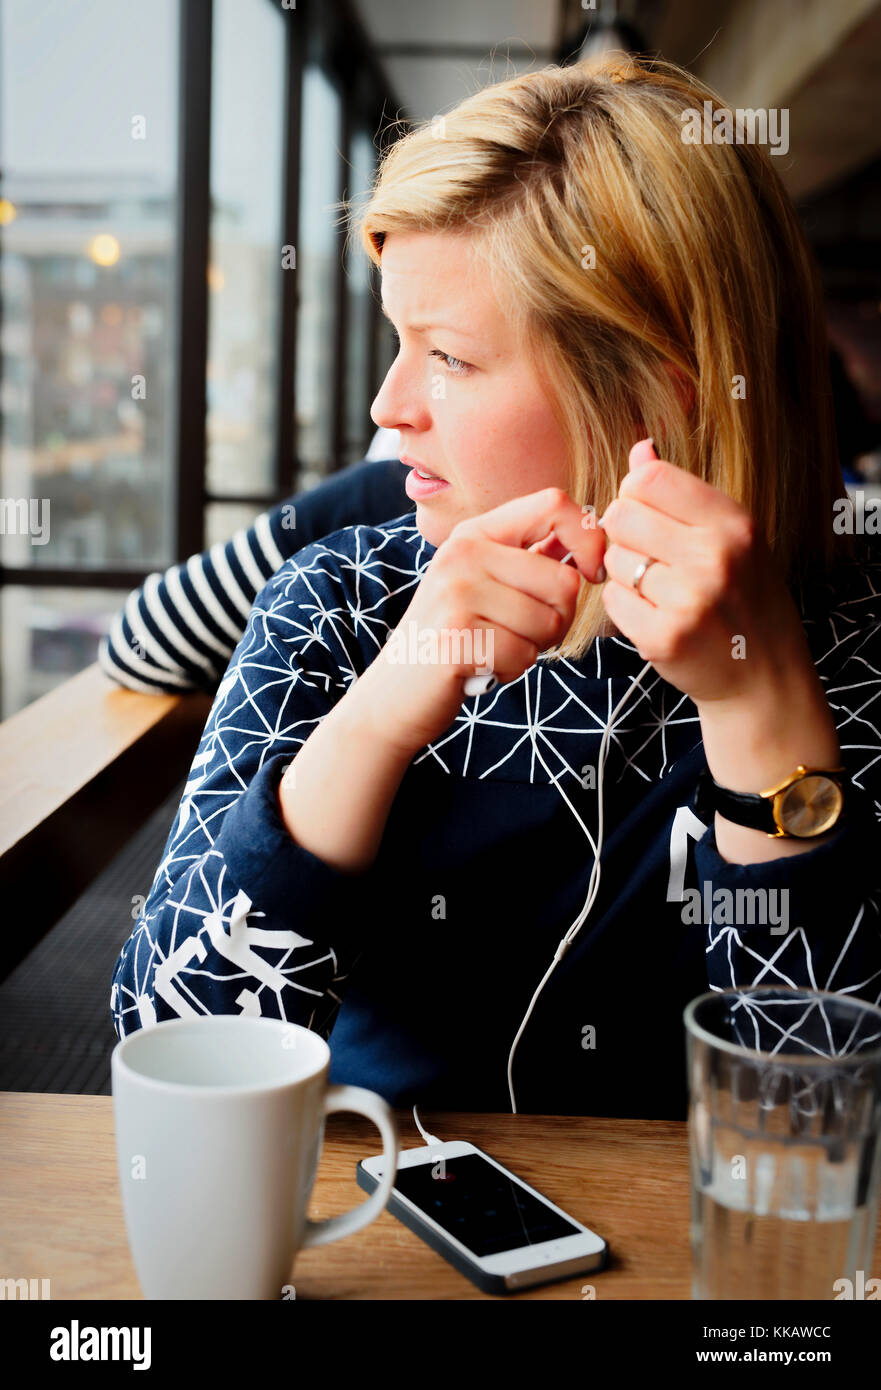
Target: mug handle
369,1104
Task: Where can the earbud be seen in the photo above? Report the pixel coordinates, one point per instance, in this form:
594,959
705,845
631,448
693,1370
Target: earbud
481,685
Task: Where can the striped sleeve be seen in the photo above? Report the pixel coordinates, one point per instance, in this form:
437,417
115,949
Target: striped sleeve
179,630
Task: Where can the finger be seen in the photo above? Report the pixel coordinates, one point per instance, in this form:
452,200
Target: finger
527,617
631,523
660,484
543,547
525,520
553,547
661,586
535,574
643,451
639,621
510,654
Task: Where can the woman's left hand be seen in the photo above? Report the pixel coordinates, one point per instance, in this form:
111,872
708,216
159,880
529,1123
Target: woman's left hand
713,614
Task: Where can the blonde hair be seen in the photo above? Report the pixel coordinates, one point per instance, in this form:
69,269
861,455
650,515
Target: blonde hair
700,263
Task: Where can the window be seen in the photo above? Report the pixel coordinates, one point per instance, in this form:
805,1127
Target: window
86,277
223,519
169,237
87,234
245,264
48,634
318,253
360,313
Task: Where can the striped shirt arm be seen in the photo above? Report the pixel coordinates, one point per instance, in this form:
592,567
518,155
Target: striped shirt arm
178,631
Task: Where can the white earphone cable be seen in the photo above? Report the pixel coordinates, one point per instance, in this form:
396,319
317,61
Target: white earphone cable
594,884
429,1138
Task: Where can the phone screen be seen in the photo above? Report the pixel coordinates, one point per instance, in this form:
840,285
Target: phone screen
475,1202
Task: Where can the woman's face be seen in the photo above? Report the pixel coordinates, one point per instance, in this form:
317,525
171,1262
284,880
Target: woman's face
464,396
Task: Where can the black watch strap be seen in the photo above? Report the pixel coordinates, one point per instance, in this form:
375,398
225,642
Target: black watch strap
710,797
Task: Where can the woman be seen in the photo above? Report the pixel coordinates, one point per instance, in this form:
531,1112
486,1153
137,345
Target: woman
361,845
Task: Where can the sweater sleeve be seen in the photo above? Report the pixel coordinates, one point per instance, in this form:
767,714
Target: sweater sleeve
240,918
813,920
177,631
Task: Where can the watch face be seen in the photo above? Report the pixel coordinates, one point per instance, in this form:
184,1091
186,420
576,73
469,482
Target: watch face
809,806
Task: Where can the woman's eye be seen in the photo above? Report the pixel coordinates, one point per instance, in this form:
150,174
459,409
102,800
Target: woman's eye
455,364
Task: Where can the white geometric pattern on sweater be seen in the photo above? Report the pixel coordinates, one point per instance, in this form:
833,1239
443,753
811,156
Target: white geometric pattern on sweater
200,946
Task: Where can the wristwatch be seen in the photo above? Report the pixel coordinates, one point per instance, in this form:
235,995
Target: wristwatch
808,802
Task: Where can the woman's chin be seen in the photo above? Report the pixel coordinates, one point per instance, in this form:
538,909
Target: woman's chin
430,528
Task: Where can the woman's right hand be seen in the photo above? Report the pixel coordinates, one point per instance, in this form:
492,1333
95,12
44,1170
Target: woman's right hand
498,577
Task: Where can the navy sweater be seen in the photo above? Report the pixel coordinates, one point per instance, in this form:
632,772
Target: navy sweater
420,969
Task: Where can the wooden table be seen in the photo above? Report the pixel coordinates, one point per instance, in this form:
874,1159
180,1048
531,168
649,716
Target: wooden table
61,1213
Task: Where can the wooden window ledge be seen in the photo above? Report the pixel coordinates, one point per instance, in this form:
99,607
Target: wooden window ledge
83,768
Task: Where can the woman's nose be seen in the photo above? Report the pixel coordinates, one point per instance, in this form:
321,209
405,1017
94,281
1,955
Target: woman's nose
398,402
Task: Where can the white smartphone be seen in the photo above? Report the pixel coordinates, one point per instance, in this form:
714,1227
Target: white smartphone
495,1228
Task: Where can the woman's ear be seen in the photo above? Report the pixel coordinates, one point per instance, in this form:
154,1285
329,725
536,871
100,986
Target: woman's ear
684,387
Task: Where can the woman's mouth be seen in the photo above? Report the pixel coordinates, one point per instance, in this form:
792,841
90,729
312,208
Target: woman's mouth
420,483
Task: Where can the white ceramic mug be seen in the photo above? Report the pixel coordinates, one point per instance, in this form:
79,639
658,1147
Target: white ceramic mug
219,1127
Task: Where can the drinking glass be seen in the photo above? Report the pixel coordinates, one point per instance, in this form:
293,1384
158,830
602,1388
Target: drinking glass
784,1123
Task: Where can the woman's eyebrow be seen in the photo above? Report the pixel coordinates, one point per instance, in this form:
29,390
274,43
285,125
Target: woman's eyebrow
421,327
